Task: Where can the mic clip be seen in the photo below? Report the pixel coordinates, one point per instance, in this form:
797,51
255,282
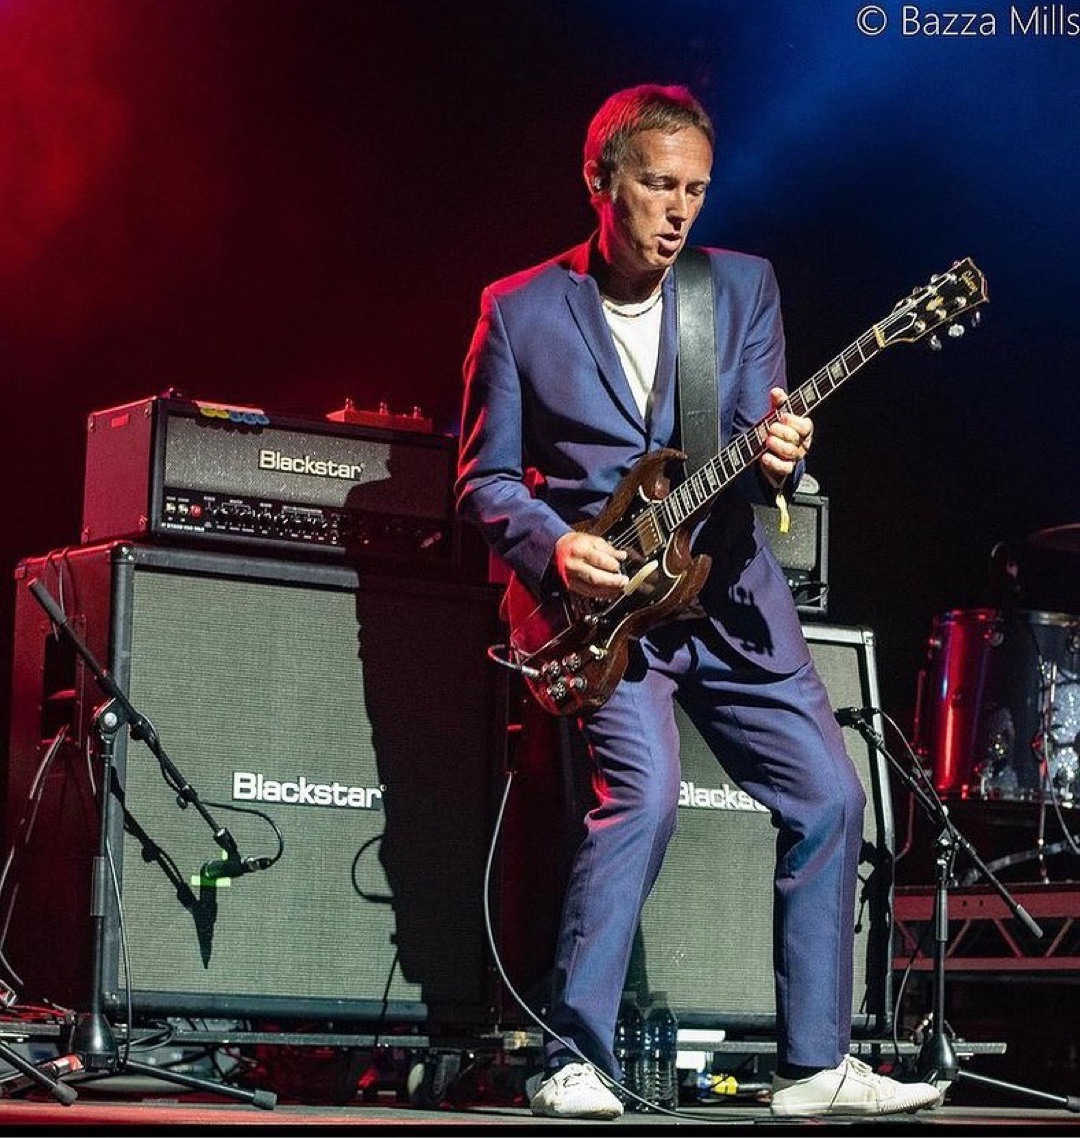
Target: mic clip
853,716
232,866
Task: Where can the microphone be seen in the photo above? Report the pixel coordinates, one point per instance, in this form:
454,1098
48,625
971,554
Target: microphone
233,867
45,598
850,716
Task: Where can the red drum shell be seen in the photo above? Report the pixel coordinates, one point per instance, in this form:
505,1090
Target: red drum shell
1000,694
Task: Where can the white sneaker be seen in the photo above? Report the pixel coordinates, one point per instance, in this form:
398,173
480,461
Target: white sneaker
850,1088
573,1091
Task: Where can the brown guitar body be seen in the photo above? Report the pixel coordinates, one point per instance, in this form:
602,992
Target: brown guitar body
576,650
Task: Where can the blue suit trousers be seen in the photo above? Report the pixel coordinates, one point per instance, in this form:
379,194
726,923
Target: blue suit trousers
777,738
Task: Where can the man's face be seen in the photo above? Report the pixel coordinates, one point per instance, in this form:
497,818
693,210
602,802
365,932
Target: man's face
654,199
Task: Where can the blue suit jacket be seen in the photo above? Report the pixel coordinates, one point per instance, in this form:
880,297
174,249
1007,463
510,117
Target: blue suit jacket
550,427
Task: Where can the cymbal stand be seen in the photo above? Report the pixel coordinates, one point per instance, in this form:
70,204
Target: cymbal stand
1041,744
93,1042
938,1062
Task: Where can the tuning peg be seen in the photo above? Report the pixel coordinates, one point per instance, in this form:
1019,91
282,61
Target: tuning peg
956,331
976,319
935,343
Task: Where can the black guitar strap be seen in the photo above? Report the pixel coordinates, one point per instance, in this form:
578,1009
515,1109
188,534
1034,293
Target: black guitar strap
698,389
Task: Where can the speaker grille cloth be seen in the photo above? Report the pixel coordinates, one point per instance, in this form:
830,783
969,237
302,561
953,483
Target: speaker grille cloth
272,679
800,547
706,932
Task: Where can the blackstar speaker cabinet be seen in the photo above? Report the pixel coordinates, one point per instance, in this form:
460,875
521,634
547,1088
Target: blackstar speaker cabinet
214,476
803,551
706,933
348,730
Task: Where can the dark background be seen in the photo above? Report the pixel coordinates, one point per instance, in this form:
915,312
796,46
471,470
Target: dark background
291,204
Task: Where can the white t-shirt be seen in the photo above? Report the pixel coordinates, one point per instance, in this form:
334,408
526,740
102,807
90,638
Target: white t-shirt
636,330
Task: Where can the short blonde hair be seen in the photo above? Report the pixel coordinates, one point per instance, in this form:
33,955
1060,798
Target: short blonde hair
649,106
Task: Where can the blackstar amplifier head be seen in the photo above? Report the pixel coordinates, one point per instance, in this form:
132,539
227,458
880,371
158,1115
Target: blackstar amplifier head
186,470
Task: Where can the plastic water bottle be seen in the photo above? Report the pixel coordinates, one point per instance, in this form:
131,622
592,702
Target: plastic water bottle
630,1044
660,1075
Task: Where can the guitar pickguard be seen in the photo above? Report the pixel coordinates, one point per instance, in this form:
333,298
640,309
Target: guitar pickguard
573,650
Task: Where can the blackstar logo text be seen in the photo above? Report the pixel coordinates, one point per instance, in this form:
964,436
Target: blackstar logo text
247,786
716,797
306,464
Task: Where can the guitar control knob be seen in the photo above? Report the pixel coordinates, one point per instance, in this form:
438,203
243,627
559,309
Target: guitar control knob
579,683
558,691
551,669
572,663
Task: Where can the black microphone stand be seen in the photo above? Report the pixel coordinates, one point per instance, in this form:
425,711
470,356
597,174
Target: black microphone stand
937,1061
92,1040
31,1075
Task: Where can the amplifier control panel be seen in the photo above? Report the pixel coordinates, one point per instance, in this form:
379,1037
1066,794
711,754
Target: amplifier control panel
170,467
285,524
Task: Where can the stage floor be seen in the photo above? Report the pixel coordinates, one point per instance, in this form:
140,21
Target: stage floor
97,1111
310,1095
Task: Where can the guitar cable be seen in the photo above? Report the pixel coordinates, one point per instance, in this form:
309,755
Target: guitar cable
503,660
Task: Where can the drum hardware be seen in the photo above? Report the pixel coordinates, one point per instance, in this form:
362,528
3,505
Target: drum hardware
1049,745
1043,851
1043,745
1003,584
998,715
1040,744
983,703
1057,539
937,1061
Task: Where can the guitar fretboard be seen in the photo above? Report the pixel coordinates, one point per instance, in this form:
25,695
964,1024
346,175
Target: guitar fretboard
700,490
948,295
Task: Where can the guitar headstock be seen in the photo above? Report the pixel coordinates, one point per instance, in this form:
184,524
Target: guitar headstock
940,304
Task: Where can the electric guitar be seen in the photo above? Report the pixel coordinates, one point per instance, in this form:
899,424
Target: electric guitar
573,650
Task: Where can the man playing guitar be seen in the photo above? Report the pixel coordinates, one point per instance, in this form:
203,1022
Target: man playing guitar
572,380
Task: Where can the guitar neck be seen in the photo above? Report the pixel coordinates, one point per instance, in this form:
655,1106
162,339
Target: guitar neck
697,494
